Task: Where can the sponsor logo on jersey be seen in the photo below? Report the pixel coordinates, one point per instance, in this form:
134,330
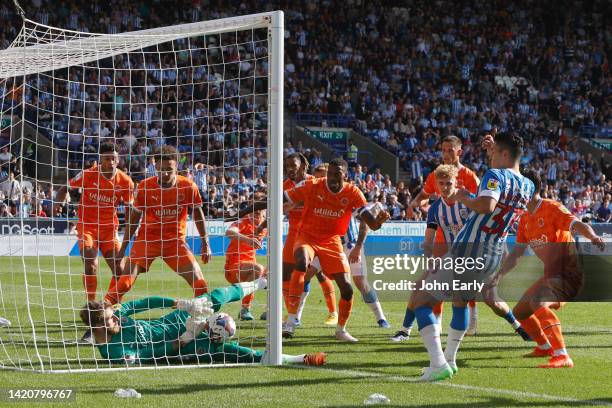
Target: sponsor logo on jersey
167,212
326,212
101,198
492,184
538,242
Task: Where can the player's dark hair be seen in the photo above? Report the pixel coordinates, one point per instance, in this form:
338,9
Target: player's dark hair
338,162
511,142
454,140
300,157
107,147
534,177
166,152
93,313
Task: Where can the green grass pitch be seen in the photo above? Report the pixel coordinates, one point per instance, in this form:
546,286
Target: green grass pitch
492,372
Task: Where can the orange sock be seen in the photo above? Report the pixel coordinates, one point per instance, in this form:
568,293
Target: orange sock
534,330
344,308
90,282
200,287
286,286
330,294
551,327
296,288
472,304
124,284
112,284
246,301
438,308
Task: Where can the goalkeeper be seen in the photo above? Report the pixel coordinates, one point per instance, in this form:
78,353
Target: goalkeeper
178,334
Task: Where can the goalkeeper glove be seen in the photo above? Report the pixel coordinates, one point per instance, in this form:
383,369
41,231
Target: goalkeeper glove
193,327
198,307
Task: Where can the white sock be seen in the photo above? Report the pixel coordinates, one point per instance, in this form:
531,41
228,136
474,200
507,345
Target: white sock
407,329
291,320
560,352
341,327
301,305
474,313
247,287
431,338
515,325
439,326
545,346
289,359
377,310
452,343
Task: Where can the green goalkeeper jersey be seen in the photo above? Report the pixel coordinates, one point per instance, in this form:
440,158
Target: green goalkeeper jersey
146,340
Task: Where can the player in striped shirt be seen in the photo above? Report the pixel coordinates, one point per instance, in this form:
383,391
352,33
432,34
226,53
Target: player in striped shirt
443,217
450,216
502,198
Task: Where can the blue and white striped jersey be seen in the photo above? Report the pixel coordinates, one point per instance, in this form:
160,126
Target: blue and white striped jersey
450,218
352,233
512,192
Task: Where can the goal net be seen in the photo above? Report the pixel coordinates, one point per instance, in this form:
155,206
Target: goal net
210,90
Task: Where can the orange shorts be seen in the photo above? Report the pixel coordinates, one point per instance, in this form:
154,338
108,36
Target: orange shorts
288,247
104,239
175,253
330,253
232,270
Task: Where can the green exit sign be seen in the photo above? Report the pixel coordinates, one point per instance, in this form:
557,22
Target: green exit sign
6,122
333,138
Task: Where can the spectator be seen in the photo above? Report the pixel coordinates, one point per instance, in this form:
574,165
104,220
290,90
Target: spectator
603,213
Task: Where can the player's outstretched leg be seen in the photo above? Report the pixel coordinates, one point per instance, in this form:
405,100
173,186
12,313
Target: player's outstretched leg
404,333
552,328
458,327
370,298
430,332
344,306
501,308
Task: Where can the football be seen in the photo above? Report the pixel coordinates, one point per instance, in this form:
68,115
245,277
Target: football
220,327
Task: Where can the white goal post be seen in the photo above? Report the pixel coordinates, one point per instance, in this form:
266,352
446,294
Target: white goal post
53,119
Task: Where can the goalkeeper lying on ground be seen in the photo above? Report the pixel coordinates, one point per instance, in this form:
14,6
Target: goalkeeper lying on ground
179,334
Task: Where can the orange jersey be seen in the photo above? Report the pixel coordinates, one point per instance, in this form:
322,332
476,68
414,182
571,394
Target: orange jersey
545,230
100,196
466,178
326,214
165,209
240,251
294,216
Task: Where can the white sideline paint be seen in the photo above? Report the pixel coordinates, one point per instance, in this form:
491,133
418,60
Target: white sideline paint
489,390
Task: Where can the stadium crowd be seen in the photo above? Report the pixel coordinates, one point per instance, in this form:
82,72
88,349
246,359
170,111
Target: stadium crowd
407,73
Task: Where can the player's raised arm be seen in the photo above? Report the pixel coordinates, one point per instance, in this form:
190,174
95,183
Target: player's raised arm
587,231
355,255
374,222
483,204
234,233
